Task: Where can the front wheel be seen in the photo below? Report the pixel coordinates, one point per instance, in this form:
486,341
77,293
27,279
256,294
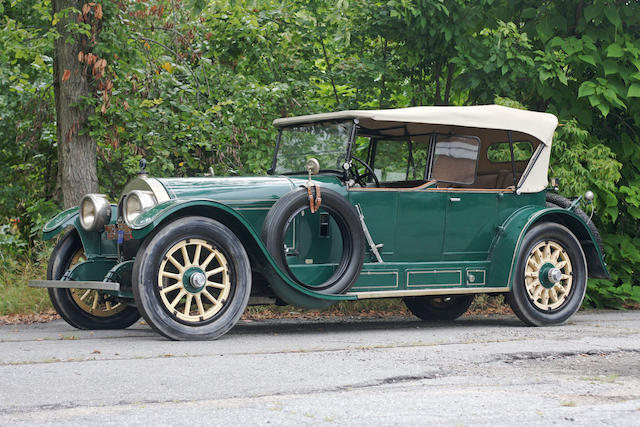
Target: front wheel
550,276
192,280
84,308
439,308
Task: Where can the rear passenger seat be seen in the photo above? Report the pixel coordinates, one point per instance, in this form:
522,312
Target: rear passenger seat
501,180
489,180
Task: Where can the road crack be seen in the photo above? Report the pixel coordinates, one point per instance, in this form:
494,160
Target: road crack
545,355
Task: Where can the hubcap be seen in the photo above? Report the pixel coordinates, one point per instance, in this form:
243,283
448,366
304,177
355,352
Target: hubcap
193,280
554,275
198,280
548,275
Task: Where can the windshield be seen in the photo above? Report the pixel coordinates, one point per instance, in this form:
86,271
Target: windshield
327,142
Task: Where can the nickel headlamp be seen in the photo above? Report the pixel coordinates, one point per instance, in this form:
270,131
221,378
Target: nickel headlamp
135,203
95,212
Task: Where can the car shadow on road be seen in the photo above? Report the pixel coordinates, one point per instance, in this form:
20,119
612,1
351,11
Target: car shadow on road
354,324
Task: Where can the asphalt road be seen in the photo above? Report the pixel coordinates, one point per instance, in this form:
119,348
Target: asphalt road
475,371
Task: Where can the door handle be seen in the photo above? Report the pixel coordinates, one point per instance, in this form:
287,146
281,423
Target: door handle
454,199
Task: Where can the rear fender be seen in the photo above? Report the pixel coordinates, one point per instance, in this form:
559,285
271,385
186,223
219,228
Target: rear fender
285,288
592,251
506,247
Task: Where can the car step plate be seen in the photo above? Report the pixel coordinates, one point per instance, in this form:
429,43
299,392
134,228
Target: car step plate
101,286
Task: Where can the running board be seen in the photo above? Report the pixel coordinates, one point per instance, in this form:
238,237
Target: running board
80,284
420,292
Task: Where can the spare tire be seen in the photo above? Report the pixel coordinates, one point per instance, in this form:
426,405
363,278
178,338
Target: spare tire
290,205
556,200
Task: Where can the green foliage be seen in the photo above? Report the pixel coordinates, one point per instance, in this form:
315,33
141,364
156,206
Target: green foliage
583,163
192,84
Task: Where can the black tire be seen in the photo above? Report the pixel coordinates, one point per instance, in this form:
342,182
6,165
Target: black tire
529,305
346,217
70,308
439,308
152,295
556,200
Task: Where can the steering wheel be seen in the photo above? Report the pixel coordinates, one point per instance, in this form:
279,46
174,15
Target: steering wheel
362,178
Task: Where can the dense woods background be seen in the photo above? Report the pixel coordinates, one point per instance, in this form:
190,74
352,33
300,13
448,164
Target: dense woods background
190,84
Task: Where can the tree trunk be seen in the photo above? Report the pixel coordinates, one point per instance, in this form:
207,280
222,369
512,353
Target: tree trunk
438,68
447,91
76,149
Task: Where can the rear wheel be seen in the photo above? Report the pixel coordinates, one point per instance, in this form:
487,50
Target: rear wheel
550,276
84,308
439,308
192,280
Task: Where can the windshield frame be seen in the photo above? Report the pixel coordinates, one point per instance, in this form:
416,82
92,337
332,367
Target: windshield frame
353,123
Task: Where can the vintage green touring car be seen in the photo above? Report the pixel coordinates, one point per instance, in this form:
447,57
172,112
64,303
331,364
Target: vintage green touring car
430,204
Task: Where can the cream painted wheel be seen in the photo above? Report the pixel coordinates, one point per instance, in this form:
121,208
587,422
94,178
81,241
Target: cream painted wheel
192,279
548,292
550,277
92,301
183,290
82,308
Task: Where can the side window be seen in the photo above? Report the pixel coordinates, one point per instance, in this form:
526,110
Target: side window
501,153
391,160
456,159
400,160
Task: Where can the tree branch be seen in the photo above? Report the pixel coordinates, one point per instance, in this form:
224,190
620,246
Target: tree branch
326,59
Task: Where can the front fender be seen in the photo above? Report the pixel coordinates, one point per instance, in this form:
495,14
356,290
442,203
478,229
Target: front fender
59,223
507,244
285,288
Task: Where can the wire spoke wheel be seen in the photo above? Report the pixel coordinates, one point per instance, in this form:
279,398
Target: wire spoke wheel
548,275
193,280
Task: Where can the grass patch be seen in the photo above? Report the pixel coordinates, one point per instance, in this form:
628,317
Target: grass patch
16,297
376,307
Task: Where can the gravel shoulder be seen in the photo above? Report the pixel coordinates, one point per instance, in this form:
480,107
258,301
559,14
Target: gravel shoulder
478,370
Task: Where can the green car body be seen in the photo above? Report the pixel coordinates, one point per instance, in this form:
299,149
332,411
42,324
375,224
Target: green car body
431,239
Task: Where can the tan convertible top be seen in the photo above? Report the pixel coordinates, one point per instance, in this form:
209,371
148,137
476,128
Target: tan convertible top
539,125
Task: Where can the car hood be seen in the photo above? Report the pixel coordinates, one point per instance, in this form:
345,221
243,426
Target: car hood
229,190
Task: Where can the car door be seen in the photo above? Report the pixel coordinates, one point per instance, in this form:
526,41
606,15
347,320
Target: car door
404,214
471,214
470,224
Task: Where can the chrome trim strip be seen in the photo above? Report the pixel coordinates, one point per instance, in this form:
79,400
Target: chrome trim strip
420,292
237,201
101,286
